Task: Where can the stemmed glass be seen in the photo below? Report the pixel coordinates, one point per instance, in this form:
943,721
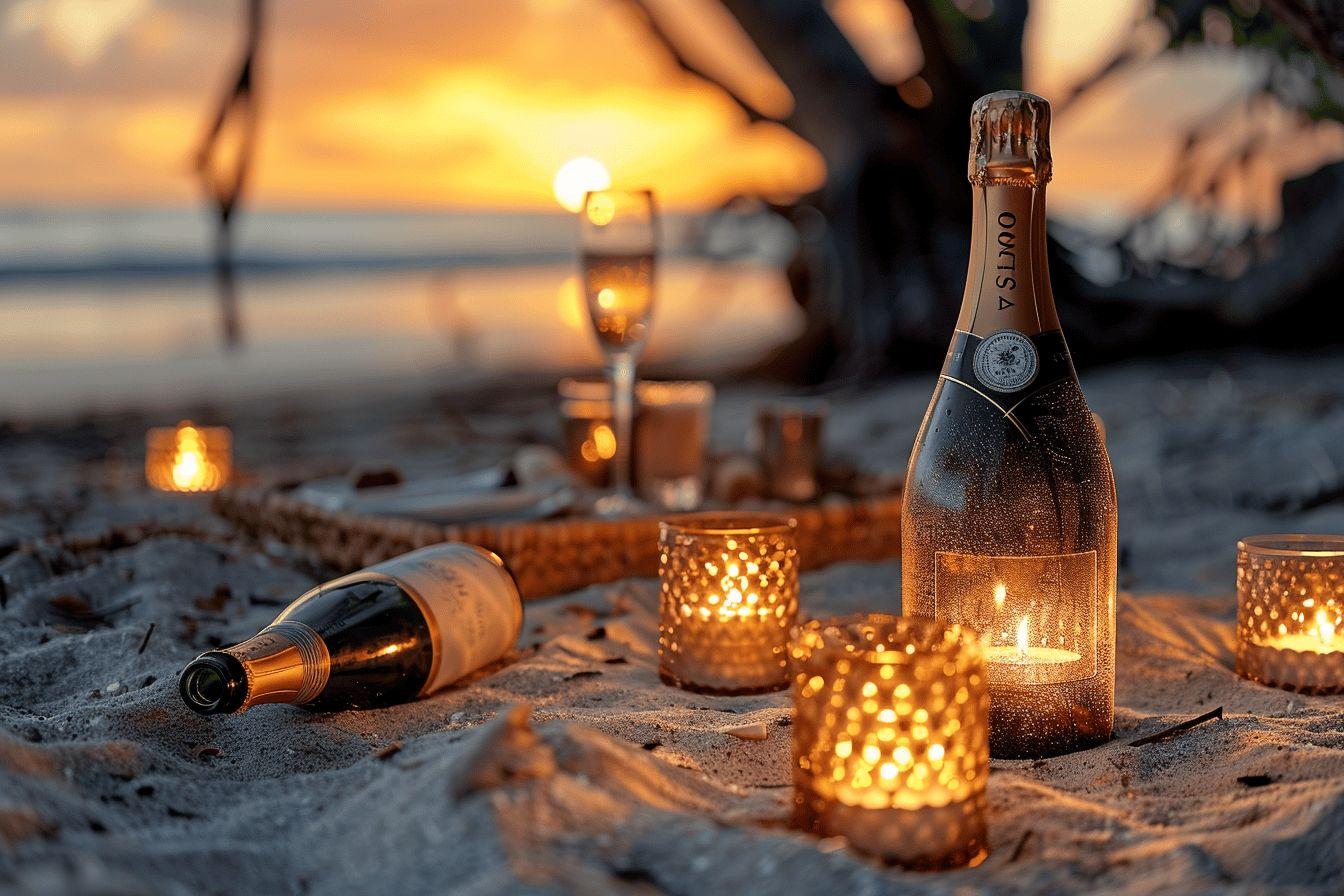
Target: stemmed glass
619,237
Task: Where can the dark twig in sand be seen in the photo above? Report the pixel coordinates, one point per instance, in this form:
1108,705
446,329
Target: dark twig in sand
76,609
1255,780
387,751
1179,728
1021,845
144,642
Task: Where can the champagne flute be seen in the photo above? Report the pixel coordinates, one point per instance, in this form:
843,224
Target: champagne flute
619,236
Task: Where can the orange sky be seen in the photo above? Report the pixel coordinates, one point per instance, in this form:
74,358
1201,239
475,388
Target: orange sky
478,102
474,102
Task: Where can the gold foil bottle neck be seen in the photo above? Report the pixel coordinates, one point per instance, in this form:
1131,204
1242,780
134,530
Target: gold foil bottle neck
1010,140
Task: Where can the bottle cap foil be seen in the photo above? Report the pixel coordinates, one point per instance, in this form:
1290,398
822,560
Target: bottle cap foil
1010,140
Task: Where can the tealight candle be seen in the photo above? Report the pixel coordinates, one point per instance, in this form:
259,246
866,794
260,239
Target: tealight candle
1048,634
188,458
728,596
1290,611
890,737
1028,661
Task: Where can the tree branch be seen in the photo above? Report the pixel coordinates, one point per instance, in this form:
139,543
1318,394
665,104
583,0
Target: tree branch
1319,24
685,64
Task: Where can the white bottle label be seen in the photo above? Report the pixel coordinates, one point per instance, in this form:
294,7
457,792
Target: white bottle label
472,604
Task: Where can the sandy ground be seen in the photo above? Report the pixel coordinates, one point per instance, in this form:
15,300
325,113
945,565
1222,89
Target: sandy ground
616,783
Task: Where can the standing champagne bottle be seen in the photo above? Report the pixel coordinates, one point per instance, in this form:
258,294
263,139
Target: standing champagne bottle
1009,517
383,635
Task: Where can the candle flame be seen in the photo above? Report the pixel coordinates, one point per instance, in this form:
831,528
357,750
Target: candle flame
1325,629
190,471
1000,594
1022,639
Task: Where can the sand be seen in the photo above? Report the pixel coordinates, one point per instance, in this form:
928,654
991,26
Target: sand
569,767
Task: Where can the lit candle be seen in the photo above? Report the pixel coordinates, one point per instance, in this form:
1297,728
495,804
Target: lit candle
1047,629
728,595
1322,637
1290,610
890,737
1022,653
188,458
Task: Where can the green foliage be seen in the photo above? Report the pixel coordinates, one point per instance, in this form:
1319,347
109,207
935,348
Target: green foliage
1301,78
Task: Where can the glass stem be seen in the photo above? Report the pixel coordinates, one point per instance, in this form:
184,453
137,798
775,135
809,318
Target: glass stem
621,372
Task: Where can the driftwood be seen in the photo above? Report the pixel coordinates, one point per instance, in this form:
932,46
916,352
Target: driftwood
1178,728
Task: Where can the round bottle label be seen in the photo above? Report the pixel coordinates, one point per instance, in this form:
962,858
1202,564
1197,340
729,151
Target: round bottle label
1006,361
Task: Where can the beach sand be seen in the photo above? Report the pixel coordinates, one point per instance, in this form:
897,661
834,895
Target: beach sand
569,766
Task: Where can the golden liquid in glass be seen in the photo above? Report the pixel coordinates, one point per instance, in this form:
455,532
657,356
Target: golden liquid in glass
619,292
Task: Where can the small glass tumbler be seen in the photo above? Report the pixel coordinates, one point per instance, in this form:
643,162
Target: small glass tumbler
188,458
672,420
1290,612
585,422
891,737
788,443
671,435
728,597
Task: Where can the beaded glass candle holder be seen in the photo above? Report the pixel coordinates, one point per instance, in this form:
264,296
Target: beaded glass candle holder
728,596
188,458
1290,612
891,737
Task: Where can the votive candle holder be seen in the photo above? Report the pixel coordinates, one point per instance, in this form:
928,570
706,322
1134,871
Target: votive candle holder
891,737
1290,612
188,458
728,597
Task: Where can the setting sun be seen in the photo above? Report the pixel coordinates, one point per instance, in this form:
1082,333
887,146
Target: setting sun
578,177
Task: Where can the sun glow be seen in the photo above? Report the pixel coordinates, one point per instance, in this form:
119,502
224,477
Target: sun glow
576,179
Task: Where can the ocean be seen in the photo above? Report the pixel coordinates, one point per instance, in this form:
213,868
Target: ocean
103,309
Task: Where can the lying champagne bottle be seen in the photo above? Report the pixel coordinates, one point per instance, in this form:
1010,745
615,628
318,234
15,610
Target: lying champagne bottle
383,635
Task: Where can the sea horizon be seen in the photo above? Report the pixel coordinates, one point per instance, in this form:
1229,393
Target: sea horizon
117,308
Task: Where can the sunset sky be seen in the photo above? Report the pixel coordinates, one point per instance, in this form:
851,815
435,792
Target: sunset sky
477,103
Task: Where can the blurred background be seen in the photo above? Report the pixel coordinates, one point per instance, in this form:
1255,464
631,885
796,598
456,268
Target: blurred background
251,197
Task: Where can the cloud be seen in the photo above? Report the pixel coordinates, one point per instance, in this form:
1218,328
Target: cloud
474,102
78,31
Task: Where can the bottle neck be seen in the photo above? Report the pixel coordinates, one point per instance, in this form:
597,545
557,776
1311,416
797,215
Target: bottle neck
1008,283
286,662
